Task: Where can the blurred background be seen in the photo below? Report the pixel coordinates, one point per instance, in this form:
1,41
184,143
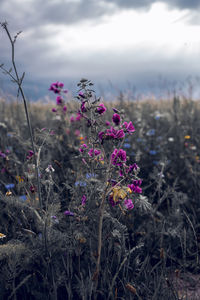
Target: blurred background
146,48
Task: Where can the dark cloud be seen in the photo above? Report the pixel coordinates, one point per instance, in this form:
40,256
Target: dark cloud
27,14
137,4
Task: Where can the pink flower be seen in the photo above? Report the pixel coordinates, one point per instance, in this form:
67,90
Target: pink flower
59,100
81,94
30,154
56,87
78,116
68,213
83,108
77,132
118,157
54,109
65,108
83,200
94,152
129,127
128,204
72,119
107,123
116,119
101,109
82,148
113,133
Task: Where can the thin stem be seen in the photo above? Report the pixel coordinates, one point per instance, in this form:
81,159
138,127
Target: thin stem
19,83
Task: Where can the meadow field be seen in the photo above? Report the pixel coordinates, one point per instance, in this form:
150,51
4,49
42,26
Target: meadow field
108,205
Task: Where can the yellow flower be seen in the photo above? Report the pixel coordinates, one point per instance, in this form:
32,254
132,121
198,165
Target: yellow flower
118,193
8,193
20,179
2,235
187,137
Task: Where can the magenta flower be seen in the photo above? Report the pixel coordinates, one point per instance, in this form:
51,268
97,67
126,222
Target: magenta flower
118,157
30,154
59,100
116,119
72,119
82,148
101,109
54,109
56,87
78,116
107,123
129,127
83,200
115,134
132,167
81,94
112,202
68,213
128,204
135,186
65,108
83,108
94,152
2,154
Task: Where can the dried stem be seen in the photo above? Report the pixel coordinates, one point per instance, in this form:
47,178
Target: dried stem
18,81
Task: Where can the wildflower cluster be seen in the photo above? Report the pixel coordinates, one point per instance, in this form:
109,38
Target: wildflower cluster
104,147
57,88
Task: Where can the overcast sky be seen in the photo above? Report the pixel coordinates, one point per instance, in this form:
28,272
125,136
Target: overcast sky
144,44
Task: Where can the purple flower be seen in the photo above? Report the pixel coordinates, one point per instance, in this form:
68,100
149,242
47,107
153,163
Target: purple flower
133,167
101,109
2,154
83,200
83,108
81,149
54,109
59,100
30,154
81,94
101,135
118,157
129,127
112,202
78,116
115,110
128,204
113,133
68,213
116,119
94,152
107,123
65,108
56,87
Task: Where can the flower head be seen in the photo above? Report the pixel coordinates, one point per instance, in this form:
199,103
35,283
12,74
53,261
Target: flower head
68,213
128,204
118,157
59,100
83,200
129,127
116,119
101,109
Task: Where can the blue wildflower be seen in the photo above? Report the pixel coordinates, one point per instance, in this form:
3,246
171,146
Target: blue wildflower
80,183
127,145
150,132
23,197
9,186
157,117
152,152
90,175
